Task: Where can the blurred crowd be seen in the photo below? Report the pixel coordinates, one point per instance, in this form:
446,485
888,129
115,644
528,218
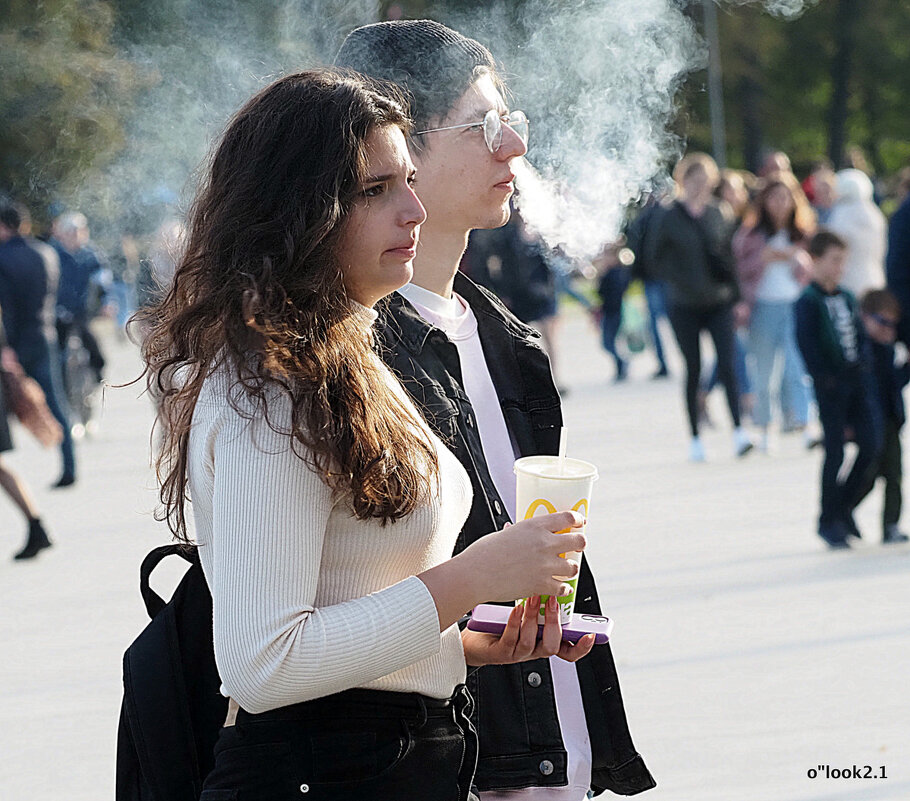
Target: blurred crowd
737,259
53,284
723,257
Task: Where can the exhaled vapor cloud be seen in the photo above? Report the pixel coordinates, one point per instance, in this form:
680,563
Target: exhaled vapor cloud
599,79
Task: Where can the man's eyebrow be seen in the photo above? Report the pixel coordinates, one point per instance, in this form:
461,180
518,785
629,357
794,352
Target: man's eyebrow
480,112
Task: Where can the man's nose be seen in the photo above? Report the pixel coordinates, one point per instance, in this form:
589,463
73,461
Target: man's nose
512,144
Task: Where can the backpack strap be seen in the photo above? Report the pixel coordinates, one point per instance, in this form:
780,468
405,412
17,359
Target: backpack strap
154,603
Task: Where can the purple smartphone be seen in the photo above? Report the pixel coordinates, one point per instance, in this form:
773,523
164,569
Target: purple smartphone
492,618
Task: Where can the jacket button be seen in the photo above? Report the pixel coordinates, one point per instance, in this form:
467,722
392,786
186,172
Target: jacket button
497,506
304,788
535,681
546,767
470,421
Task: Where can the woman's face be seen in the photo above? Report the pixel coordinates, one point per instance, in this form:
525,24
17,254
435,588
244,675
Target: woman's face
735,193
380,236
779,204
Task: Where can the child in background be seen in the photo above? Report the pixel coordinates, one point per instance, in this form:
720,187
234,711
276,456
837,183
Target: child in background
833,344
881,313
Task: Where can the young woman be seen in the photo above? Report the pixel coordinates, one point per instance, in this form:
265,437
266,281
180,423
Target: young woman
325,510
773,267
692,255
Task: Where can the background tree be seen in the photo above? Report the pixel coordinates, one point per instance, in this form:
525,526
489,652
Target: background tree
64,95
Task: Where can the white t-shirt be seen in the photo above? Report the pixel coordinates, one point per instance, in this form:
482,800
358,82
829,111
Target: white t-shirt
778,285
455,317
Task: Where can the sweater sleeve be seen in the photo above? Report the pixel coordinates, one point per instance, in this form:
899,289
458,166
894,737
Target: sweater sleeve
273,647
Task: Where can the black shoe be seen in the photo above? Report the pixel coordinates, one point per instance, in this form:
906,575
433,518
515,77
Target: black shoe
852,528
835,535
37,541
66,480
893,535
663,372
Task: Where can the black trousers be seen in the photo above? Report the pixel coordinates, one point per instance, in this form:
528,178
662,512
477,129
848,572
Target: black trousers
41,362
889,468
358,745
846,403
688,323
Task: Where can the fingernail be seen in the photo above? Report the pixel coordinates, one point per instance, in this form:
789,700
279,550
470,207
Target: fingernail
551,603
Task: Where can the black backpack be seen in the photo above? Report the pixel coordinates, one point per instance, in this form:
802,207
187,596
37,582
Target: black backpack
172,707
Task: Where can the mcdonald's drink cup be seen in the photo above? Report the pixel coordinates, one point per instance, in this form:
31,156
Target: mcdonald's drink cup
545,486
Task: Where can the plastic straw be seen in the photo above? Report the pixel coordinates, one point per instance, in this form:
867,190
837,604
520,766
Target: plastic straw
563,439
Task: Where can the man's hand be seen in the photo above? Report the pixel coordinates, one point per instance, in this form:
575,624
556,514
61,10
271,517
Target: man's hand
518,641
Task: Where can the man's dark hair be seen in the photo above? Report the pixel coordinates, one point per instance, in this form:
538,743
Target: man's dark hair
10,216
823,241
433,64
876,301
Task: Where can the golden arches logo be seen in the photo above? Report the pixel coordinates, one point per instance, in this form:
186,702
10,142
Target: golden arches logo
543,503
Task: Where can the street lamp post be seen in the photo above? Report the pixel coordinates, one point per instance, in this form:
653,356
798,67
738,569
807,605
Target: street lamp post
715,84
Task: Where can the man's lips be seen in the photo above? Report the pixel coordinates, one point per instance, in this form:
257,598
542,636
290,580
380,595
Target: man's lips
507,183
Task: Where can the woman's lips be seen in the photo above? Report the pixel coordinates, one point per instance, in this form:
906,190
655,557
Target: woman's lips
405,251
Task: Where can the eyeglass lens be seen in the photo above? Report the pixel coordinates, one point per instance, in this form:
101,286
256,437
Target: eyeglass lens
492,128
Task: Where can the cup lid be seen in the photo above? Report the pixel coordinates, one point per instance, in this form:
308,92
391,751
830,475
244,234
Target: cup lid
548,467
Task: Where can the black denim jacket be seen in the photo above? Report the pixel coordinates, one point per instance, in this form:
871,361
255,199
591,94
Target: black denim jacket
515,713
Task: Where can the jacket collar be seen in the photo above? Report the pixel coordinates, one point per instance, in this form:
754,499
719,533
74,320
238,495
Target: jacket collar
404,323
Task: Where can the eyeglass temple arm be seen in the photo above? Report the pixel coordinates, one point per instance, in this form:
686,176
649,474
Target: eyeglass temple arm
448,128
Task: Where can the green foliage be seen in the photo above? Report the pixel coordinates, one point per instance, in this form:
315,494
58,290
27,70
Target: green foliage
62,96
789,64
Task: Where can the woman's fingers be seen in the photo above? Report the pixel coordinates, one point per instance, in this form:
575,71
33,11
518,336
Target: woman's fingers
552,631
528,639
509,637
572,653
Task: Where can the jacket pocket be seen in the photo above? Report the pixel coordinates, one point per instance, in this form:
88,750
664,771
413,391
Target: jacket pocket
218,795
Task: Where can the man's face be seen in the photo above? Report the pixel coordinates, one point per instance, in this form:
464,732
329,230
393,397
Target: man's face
460,182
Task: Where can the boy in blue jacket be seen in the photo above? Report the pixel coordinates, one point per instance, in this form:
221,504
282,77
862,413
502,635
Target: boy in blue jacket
835,349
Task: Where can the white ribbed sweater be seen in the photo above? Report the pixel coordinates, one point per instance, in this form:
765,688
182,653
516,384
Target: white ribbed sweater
308,600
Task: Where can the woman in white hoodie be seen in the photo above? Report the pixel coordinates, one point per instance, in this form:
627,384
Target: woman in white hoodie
857,219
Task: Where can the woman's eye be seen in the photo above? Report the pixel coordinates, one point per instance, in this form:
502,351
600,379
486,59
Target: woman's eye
373,191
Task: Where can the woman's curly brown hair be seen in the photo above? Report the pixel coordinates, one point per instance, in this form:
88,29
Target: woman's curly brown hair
258,291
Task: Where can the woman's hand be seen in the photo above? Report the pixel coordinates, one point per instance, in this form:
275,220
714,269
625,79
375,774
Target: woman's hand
517,562
518,641
522,559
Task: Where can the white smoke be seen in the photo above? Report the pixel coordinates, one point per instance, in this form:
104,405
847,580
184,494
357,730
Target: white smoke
787,9
599,81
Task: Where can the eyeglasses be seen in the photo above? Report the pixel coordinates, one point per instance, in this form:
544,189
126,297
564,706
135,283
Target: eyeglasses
492,127
885,321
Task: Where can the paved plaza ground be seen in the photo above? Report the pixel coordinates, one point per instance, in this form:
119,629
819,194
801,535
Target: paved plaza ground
749,655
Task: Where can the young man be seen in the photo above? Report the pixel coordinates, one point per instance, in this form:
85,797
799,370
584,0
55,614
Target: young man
832,341
28,292
548,728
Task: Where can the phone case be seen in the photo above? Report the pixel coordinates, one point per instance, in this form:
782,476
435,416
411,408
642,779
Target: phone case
492,618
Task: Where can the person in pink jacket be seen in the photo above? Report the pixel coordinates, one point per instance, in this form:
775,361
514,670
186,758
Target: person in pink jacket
773,267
